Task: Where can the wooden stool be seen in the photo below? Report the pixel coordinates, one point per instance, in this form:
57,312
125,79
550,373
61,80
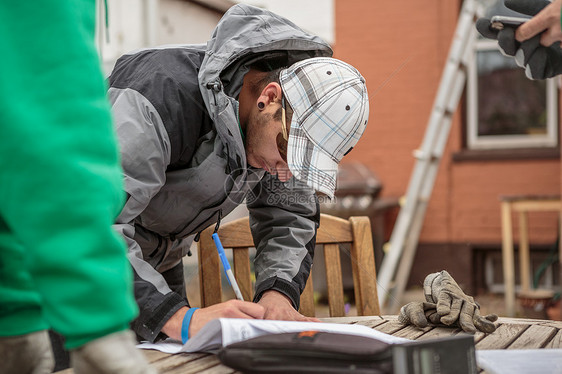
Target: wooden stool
522,204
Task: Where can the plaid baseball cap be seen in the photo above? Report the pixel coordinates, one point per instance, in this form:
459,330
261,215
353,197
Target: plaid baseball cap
330,111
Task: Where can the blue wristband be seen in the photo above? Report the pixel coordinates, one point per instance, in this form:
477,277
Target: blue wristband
185,324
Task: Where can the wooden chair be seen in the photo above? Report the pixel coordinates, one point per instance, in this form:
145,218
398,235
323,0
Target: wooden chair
332,233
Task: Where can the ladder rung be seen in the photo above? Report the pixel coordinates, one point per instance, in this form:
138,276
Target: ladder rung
422,199
421,155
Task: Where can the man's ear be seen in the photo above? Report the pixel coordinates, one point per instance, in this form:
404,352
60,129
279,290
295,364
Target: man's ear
271,93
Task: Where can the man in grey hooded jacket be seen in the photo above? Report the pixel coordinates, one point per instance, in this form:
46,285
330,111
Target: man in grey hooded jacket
203,127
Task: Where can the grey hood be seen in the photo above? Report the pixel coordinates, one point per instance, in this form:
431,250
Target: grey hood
244,35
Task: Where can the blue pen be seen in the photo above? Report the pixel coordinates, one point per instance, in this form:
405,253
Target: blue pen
226,266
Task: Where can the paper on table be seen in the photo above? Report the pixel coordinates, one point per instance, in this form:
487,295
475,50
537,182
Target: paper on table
224,331
520,361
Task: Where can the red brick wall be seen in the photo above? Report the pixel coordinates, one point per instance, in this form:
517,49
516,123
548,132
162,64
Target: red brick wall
400,47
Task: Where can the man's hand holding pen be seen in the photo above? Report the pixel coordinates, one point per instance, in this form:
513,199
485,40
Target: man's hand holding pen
187,322
273,305
200,317
278,307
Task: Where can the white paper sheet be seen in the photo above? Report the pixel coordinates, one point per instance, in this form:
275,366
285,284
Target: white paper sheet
224,331
520,361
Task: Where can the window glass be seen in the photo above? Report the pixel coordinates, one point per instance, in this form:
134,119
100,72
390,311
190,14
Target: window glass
505,109
508,102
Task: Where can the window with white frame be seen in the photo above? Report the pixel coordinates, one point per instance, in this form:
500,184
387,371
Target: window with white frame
505,109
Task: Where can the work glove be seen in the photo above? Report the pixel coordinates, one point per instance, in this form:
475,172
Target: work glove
539,62
454,305
422,313
27,354
419,313
112,354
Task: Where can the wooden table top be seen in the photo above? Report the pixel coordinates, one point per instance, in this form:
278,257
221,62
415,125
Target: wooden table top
512,333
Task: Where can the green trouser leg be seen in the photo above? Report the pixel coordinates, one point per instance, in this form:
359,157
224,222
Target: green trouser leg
18,296
60,178
29,353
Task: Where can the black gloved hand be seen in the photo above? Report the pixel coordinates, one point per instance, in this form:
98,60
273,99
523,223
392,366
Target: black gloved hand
540,62
505,37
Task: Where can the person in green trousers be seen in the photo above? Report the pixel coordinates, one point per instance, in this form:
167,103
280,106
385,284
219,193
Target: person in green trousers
61,264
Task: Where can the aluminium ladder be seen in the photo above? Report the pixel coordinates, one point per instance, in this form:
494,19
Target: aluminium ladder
397,262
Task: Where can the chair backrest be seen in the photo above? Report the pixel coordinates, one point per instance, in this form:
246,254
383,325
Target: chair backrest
332,233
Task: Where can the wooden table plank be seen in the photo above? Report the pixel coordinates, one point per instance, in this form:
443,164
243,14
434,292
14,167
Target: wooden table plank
524,321
439,332
412,332
390,317
351,319
556,324
391,327
220,369
177,360
556,341
504,335
371,324
536,336
152,355
196,366
478,335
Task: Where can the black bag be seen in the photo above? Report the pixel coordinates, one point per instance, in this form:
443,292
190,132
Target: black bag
309,352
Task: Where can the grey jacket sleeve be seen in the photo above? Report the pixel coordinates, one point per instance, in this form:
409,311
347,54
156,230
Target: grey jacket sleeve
145,154
284,218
